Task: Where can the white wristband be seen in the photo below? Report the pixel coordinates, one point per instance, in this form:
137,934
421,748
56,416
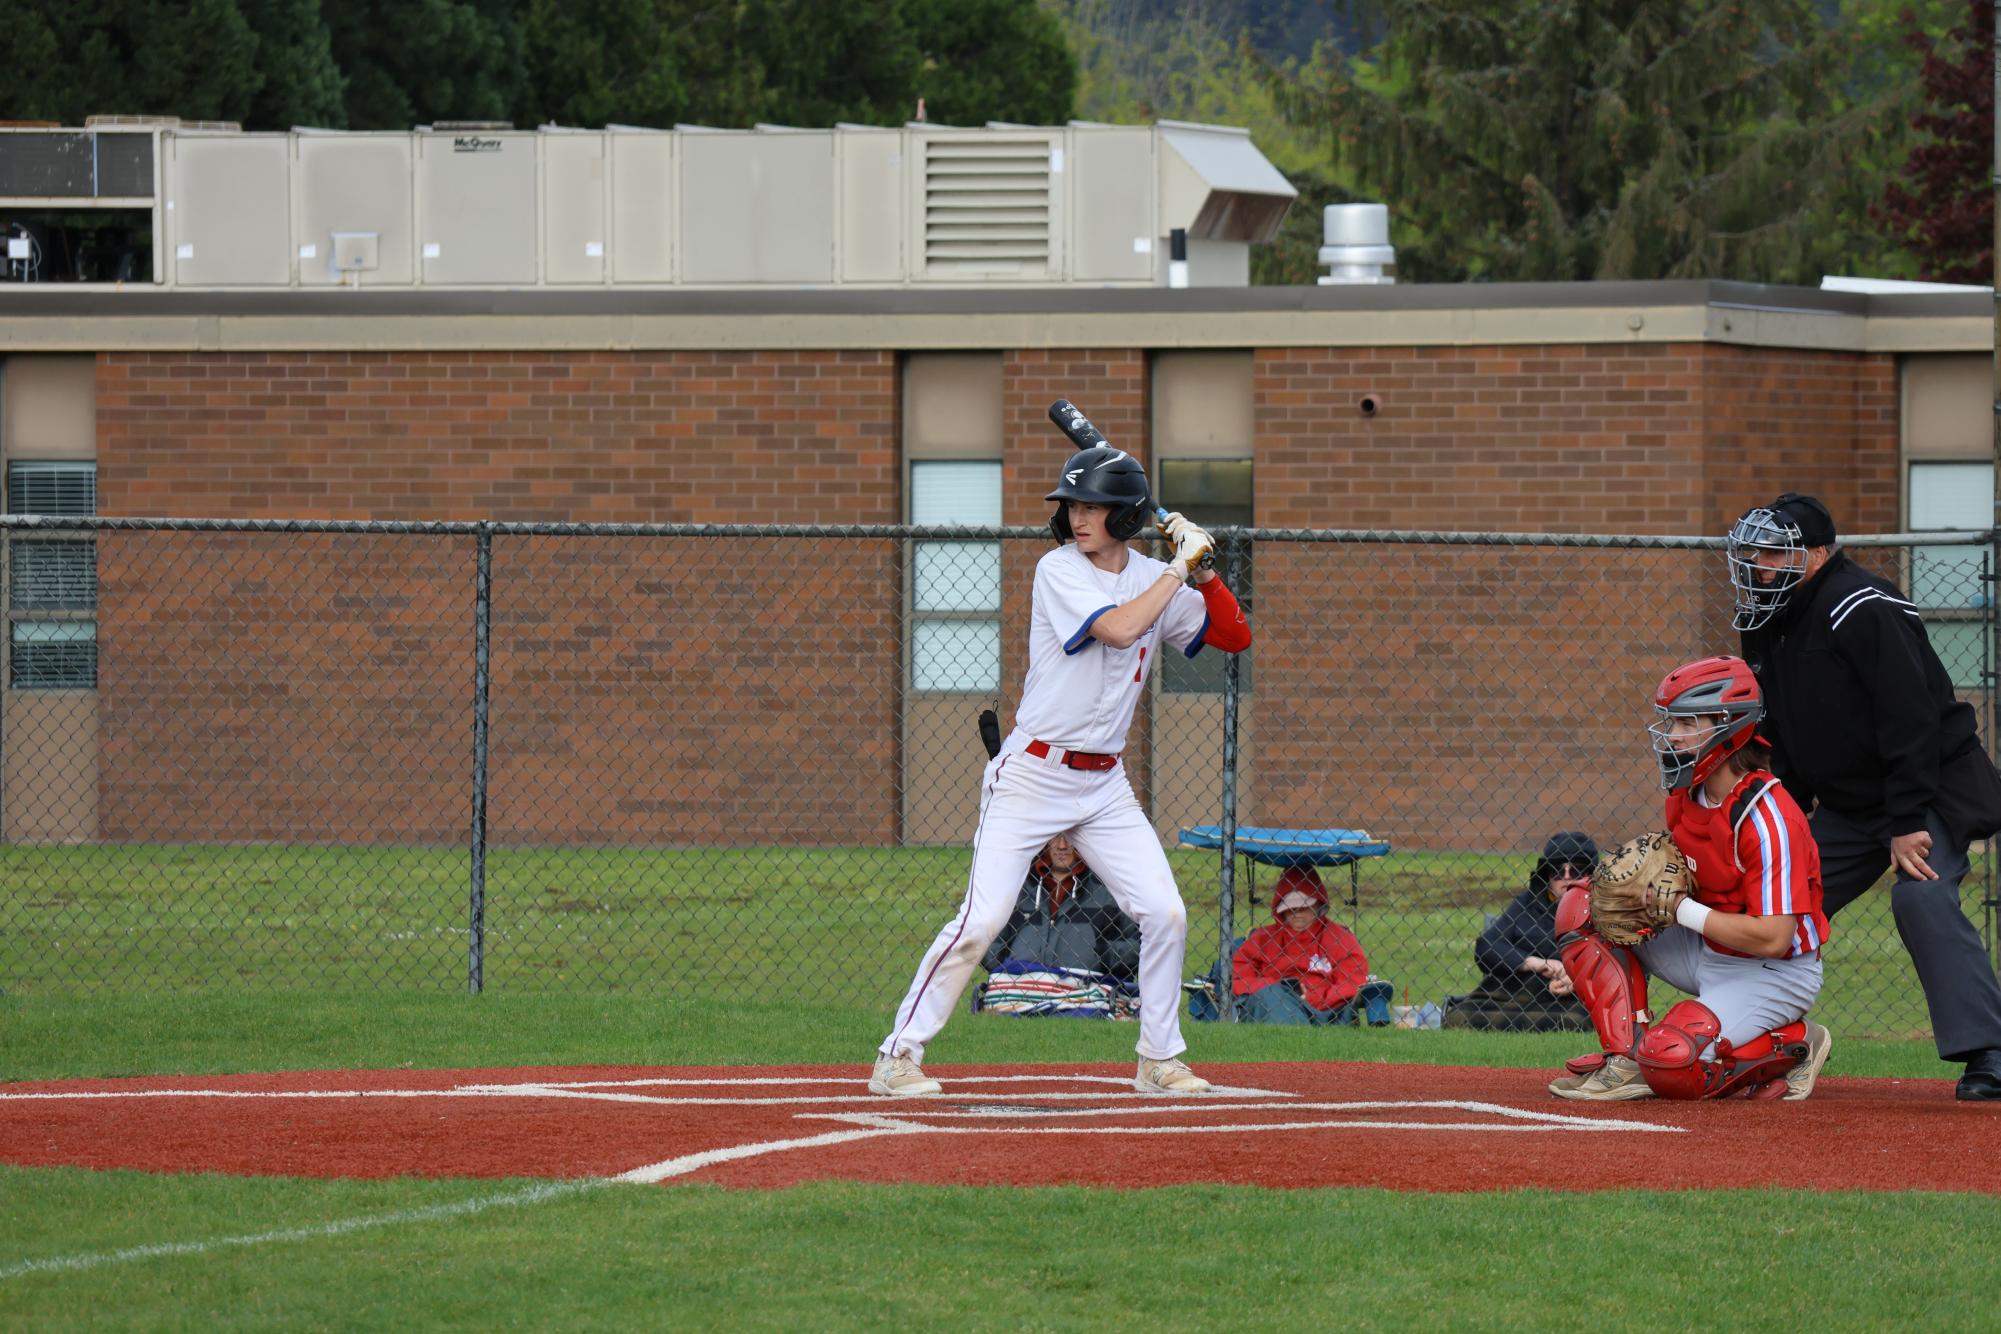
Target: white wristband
1691,915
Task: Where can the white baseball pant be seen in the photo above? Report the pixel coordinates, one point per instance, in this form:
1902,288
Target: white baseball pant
1024,802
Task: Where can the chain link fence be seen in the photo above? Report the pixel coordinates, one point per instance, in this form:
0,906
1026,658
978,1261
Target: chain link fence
733,760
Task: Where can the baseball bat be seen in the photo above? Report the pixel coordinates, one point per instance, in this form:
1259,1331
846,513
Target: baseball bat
1070,420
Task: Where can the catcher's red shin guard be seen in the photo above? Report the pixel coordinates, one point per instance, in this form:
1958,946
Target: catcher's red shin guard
1670,1055
1609,979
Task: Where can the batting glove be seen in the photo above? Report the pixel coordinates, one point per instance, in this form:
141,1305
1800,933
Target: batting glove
1192,547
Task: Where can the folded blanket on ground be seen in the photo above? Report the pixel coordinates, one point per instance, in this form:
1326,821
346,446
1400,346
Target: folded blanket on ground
1027,988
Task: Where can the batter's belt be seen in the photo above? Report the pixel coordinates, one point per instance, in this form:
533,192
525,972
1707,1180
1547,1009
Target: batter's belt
1072,759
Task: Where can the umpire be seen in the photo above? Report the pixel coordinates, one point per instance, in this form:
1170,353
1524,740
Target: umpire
1863,718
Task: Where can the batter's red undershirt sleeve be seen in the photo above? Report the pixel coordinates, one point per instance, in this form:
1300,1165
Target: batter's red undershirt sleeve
1227,628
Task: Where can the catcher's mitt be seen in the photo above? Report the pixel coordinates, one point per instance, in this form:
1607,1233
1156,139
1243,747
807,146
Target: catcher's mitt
1637,887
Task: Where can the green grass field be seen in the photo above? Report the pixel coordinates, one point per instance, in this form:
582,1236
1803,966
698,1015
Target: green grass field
839,926
853,1255
121,961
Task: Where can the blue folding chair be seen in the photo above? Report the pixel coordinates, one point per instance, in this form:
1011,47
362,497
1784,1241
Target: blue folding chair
1263,845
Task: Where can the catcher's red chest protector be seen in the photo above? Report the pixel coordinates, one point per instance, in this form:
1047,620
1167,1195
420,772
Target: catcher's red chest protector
1753,854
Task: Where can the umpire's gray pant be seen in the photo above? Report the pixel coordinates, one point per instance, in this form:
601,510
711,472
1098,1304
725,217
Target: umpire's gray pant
1953,966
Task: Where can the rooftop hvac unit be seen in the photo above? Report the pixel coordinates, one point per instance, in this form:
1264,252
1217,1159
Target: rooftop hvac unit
756,207
346,186
988,203
81,205
230,206
476,223
77,164
574,209
477,205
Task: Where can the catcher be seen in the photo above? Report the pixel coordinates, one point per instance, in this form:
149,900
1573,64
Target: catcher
1728,909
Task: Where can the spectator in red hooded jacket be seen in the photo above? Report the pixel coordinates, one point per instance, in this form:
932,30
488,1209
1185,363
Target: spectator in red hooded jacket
1305,968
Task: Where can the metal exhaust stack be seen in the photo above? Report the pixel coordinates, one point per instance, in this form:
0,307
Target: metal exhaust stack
1357,246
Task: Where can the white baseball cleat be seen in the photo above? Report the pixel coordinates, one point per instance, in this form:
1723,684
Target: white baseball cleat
1170,1078
1800,1079
900,1077
1618,1080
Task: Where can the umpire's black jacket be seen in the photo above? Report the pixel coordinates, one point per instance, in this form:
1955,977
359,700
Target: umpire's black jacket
1862,714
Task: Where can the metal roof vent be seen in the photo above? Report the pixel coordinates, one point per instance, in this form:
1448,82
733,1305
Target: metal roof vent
1357,249
987,202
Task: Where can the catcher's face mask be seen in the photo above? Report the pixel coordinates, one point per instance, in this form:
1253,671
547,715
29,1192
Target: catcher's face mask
1704,713
1767,556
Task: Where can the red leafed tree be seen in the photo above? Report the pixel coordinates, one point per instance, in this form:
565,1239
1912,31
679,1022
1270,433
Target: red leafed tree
1941,205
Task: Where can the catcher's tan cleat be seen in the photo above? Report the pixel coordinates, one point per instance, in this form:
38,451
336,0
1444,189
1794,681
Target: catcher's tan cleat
900,1077
1802,1077
1576,1070
1170,1078
1618,1080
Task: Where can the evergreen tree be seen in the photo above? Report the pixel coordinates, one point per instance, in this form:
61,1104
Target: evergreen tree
301,83
1613,139
820,63
1942,206
793,62
410,62
632,62
197,60
982,60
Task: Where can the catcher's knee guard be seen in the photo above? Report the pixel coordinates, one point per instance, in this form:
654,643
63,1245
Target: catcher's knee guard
1671,1061
1609,979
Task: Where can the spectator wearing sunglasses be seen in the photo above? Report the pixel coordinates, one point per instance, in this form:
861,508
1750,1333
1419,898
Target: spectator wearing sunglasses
1523,987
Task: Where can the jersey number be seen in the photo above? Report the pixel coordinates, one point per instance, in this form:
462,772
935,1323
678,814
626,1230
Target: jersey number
1142,663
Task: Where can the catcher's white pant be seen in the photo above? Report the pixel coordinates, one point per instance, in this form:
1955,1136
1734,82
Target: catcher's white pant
1025,802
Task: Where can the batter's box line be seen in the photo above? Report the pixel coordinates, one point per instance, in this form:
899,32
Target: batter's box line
841,1081
1513,1119
597,1093
622,1091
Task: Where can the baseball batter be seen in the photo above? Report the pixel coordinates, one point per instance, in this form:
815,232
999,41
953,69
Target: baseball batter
1102,615
1745,944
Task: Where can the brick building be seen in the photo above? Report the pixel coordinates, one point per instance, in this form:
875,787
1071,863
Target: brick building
640,689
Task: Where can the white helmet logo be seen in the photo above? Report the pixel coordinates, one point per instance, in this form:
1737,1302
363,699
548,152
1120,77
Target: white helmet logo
1072,476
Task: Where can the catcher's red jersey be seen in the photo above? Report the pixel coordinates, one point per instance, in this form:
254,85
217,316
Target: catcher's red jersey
1753,854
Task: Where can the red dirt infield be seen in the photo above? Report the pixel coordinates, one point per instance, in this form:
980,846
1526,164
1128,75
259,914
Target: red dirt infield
1398,1127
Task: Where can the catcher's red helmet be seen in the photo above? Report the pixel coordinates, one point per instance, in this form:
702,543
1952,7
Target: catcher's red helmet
1721,686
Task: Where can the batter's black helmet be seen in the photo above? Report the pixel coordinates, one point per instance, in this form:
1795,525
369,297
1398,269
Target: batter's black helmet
1109,477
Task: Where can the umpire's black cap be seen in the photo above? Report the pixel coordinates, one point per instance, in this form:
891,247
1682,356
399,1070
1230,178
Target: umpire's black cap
1815,523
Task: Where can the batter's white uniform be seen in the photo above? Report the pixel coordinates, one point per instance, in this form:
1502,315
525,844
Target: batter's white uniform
1080,695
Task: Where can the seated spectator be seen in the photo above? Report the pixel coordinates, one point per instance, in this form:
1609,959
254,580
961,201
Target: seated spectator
1066,918
1304,968
1523,987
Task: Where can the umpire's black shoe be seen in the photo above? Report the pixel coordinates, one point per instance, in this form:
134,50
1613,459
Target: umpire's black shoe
1982,1080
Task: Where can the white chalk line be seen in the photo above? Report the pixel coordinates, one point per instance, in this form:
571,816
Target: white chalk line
1518,1118
1515,1121
783,1082
430,1213
600,1091
866,1126
86,1095
695,1162
647,1175
650,1174
1248,1127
